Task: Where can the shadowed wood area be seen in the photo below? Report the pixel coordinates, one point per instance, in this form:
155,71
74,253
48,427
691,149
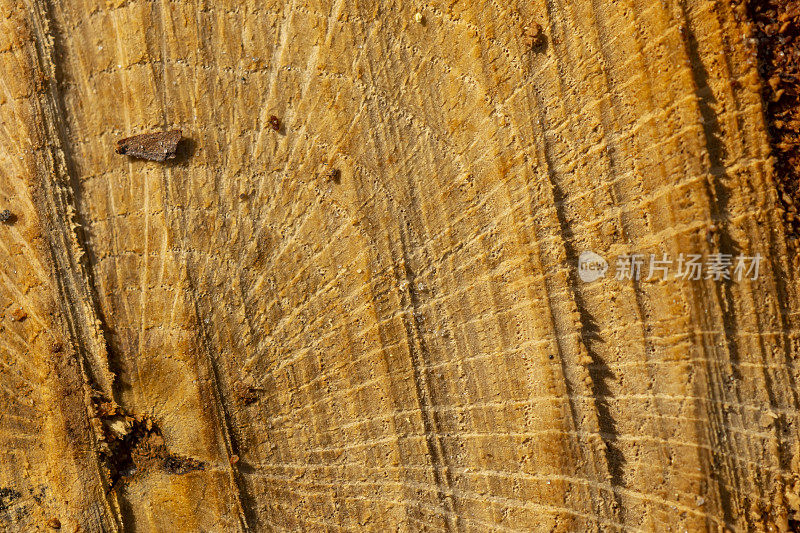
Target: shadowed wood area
367,315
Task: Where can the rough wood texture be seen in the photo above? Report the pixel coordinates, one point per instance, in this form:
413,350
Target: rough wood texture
232,341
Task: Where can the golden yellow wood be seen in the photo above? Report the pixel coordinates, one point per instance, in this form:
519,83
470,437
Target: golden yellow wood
241,343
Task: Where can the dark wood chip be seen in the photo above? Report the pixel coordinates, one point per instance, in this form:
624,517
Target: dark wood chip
275,123
152,146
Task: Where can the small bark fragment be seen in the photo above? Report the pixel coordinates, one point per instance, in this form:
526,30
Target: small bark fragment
152,146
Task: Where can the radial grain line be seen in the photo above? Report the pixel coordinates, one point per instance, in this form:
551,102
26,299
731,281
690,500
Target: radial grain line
588,329
222,414
77,297
417,351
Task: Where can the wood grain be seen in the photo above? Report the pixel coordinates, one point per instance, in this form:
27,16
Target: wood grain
407,347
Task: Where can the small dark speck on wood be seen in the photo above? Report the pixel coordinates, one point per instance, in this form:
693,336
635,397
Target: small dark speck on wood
275,123
6,216
158,146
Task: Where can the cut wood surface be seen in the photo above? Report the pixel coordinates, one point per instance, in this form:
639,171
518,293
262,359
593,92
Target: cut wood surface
371,318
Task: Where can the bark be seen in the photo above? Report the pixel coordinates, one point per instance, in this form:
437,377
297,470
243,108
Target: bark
372,318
